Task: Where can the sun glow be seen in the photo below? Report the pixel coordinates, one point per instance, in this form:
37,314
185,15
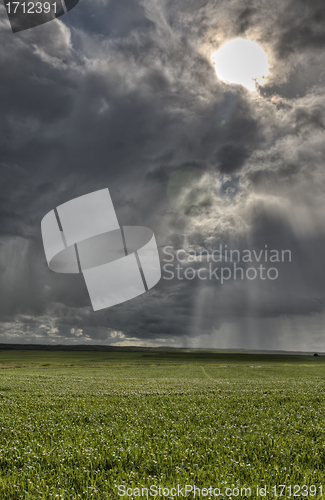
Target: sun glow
241,61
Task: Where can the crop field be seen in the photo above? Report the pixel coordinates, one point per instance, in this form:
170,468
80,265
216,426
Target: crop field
79,425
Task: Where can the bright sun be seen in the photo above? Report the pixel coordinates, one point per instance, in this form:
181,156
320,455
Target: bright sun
241,61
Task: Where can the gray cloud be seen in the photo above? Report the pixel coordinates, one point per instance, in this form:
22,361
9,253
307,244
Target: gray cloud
126,97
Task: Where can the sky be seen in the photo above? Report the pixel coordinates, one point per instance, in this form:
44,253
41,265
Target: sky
125,96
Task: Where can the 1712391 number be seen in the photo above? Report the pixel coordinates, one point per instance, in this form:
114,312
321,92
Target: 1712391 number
296,490
31,7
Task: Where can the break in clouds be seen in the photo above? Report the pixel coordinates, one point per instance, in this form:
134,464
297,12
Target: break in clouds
125,95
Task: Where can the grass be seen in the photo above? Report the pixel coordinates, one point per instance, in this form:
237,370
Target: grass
78,424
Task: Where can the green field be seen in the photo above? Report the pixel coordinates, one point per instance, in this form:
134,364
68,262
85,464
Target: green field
79,424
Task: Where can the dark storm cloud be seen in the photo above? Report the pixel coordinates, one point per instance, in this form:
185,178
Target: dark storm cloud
301,27
111,18
124,96
232,157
